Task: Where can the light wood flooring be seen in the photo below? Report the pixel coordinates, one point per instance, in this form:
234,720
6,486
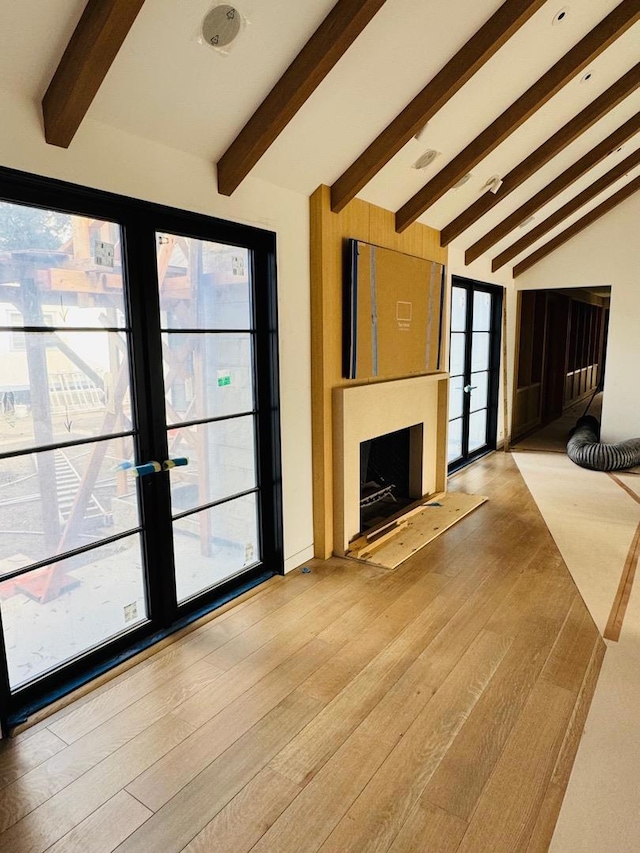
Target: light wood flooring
553,437
436,707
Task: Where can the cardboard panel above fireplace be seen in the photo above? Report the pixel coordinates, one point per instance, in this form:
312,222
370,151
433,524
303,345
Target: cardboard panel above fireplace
393,313
368,223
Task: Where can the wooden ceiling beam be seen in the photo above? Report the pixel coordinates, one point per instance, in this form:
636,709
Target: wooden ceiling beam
327,45
544,153
589,48
98,37
450,79
593,215
545,195
566,210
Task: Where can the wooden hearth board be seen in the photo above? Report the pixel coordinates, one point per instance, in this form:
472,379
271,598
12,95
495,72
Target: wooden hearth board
413,531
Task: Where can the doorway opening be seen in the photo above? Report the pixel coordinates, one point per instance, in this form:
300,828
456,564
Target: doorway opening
560,363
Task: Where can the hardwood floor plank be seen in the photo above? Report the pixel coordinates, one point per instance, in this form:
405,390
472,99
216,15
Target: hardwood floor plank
381,606
169,775
377,816
60,814
103,830
19,757
201,708
615,621
460,778
514,793
290,619
315,812
188,812
247,816
108,704
163,780
522,603
546,820
457,605
466,623
37,786
368,637
571,654
430,829
564,764
308,752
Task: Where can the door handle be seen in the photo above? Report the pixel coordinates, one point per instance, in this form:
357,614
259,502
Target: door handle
175,462
152,467
142,470
469,388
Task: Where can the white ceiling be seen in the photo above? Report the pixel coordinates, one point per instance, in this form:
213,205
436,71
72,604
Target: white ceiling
168,86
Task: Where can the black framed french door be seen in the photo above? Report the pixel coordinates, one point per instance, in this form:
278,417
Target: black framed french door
139,428
474,368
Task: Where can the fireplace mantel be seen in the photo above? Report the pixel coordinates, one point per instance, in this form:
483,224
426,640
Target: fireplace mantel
361,412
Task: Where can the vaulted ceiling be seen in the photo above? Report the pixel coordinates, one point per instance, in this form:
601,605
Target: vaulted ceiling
543,94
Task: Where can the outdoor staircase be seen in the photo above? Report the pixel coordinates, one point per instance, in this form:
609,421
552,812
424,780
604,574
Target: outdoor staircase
68,483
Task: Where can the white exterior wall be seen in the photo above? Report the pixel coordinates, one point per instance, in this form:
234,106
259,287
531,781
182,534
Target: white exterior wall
108,159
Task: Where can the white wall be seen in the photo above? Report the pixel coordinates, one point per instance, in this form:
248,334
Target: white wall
607,253
108,159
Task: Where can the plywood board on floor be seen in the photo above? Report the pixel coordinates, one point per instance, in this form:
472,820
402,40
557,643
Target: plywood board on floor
592,520
418,528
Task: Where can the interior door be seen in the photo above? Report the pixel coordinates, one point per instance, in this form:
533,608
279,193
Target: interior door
474,364
139,428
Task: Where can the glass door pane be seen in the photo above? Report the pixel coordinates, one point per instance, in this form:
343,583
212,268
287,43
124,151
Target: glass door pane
209,379
71,573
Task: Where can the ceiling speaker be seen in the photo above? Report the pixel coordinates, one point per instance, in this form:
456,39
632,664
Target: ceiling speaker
221,25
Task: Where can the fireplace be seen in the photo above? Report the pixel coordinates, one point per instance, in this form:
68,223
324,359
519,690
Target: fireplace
416,406
389,478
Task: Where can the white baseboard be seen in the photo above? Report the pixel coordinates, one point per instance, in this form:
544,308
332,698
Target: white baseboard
298,559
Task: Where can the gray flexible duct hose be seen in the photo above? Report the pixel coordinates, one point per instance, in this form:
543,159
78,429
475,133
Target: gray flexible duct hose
584,448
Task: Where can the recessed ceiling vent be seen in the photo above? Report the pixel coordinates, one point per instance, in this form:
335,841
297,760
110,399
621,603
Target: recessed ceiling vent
221,25
426,159
463,180
561,16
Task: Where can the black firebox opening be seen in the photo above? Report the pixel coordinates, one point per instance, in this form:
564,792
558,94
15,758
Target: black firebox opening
384,477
